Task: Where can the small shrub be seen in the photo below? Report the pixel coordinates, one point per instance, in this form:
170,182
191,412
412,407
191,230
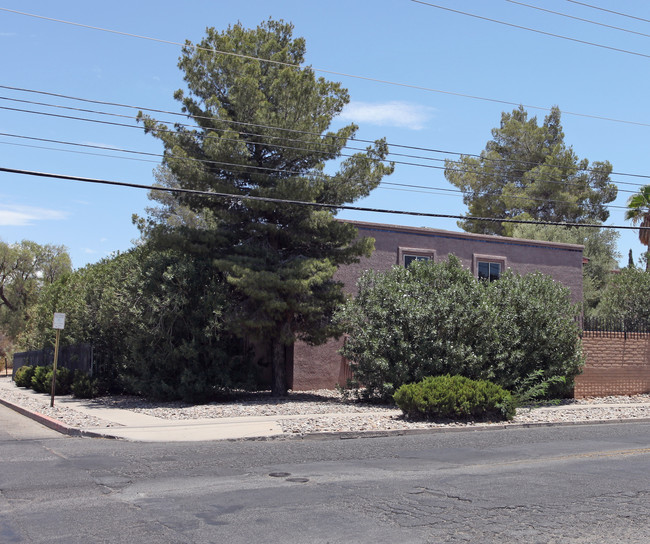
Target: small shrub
455,397
84,387
23,377
42,379
64,380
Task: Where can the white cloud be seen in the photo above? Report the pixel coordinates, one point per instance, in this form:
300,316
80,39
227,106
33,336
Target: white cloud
19,216
8,34
394,113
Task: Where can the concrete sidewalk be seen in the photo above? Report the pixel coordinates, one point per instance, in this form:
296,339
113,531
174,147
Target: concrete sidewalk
126,424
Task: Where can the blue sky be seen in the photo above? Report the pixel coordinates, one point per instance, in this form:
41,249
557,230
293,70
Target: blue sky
451,56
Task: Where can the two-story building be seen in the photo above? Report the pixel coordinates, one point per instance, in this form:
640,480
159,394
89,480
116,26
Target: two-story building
487,256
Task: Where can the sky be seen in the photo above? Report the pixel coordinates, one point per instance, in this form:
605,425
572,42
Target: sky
419,75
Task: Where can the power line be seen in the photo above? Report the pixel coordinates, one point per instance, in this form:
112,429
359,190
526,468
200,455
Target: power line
579,18
279,170
610,11
512,25
242,123
406,187
504,161
228,121
78,152
236,197
332,72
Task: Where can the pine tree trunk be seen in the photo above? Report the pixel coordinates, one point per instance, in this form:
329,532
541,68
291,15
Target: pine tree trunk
279,386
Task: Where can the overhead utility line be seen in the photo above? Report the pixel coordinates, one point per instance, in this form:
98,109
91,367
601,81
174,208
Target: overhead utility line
256,168
331,72
243,123
610,11
406,155
543,32
236,197
538,8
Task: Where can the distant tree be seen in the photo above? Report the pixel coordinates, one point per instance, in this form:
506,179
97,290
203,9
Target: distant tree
630,260
600,250
527,172
627,297
263,131
638,211
26,267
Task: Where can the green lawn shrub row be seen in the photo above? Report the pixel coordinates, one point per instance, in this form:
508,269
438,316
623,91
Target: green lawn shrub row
455,397
39,378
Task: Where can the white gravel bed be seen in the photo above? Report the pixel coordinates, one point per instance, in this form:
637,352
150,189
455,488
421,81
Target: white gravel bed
396,421
251,404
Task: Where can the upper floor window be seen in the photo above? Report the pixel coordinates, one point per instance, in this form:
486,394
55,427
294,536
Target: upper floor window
489,271
407,255
408,259
488,267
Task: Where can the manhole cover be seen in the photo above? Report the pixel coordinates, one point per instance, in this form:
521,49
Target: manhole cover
279,474
298,480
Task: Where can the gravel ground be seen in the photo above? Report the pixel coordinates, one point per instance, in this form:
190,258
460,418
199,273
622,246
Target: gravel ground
320,411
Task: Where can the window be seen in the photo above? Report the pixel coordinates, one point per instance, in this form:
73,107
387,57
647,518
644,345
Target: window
489,271
408,259
406,255
488,267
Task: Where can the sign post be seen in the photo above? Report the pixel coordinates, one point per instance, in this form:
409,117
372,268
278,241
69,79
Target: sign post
58,324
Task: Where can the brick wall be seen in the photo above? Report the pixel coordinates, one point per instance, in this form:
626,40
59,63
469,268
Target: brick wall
616,364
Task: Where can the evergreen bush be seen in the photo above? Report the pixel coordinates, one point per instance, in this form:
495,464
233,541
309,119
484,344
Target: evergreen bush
42,379
84,387
455,397
432,319
23,377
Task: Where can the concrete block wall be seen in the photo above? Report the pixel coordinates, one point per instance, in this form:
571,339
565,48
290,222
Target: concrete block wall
616,364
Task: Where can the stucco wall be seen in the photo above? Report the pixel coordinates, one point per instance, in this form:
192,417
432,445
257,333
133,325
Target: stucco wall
563,262
322,367
616,364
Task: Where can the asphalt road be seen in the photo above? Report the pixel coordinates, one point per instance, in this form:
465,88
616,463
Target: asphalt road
576,484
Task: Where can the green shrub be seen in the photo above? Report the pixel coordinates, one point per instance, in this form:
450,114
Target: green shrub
84,387
64,380
42,379
23,377
433,319
455,397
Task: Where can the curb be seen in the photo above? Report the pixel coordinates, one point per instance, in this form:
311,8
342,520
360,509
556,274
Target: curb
62,428
54,424
347,435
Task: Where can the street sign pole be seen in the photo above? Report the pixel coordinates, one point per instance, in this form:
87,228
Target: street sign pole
58,324
56,359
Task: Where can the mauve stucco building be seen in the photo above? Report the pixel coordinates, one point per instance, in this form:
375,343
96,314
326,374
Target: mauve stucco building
322,367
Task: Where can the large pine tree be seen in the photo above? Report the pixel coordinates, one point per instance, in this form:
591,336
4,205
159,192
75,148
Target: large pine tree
261,128
528,172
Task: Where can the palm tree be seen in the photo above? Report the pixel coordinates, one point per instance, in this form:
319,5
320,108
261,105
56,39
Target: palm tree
638,210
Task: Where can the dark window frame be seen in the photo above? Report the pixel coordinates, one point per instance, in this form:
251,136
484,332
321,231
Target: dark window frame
415,254
489,260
